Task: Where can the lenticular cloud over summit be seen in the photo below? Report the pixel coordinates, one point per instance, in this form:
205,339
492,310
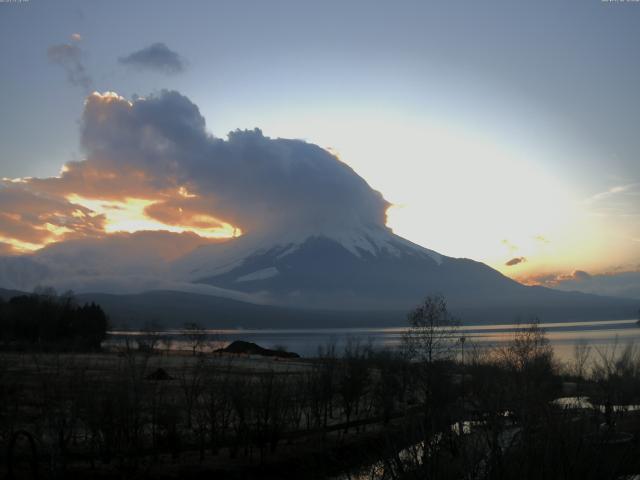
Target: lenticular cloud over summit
157,150
249,180
150,164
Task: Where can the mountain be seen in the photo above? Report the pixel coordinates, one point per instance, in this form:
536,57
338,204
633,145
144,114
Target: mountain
372,269
173,309
305,277
346,270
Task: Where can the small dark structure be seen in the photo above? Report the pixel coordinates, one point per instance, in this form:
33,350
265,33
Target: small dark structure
159,374
249,348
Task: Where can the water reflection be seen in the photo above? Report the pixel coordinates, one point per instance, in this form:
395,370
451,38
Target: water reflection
563,336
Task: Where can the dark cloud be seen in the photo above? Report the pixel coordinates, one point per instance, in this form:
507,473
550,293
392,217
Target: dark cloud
250,180
157,57
69,57
515,261
157,149
615,283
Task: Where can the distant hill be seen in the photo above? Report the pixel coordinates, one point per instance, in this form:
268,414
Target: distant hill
172,309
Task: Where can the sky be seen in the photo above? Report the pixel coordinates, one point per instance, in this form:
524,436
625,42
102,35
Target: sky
502,131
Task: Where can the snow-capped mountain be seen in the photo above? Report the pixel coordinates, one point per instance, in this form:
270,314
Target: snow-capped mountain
319,276
214,260
372,269
365,268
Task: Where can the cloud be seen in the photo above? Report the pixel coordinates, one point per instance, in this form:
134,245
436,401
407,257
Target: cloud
616,283
31,218
27,272
157,57
541,239
66,264
510,246
22,273
113,261
76,37
515,261
158,147
619,200
554,279
615,190
69,57
150,167
621,284
580,275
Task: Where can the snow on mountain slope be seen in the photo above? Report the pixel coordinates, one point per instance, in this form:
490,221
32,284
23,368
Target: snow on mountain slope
217,259
213,260
373,270
358,268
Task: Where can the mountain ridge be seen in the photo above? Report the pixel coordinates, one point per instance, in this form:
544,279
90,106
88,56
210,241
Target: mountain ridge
361,277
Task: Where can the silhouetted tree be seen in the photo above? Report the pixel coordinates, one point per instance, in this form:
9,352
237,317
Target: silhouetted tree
196,336
51,321
432,330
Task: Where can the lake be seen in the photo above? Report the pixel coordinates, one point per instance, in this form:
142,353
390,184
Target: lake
563,336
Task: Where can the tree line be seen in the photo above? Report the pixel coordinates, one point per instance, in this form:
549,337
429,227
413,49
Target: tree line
47,320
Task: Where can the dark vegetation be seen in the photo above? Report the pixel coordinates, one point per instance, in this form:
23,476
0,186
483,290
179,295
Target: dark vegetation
437,408
49,321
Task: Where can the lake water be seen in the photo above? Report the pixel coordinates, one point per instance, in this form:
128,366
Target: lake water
600,335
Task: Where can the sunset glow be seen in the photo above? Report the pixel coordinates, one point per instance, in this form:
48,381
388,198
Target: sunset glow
130,216
22,247
448,132
230,229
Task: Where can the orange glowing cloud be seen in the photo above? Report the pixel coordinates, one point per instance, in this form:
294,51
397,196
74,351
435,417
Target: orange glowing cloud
31,219
85,201
150,165
136,214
